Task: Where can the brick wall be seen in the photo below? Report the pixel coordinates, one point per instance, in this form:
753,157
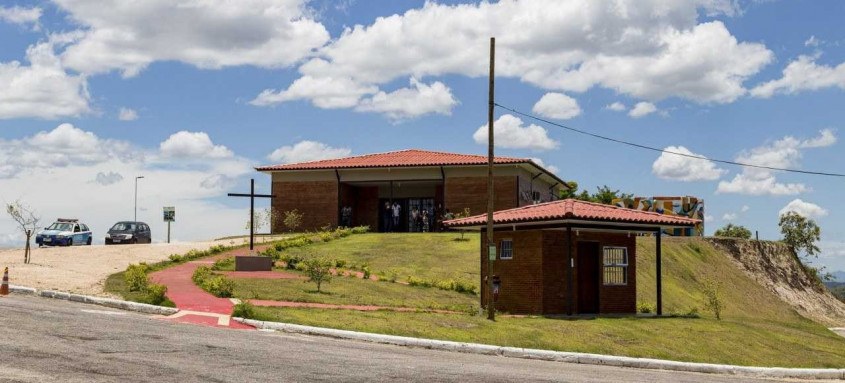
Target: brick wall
522,276
471,192
365,209
535,280
317,200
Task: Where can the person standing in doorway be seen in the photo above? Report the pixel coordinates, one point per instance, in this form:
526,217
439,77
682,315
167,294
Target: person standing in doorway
397,213
415,215
425,221
386,214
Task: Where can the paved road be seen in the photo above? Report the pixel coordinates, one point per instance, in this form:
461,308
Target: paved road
45,340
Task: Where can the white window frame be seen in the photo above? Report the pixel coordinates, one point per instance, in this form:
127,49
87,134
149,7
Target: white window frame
502,249
623,265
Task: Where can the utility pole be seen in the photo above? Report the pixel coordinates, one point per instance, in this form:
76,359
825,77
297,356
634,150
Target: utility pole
136,197
491,243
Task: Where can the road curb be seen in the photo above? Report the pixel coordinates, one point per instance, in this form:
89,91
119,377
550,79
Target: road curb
556,356
107,302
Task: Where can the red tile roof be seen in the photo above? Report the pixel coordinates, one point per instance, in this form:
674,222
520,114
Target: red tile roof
574,210
401,158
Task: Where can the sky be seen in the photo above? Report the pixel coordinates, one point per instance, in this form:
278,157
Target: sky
193,94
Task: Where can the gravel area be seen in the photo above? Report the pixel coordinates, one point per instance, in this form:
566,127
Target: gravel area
84,269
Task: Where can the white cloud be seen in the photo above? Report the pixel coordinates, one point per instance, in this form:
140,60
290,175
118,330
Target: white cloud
651,49
730,217
617,107
783,153
642,109
305,151
324,92
76,160
211,34
127,114
417,100
744,209
41,90
20,15
541,163
812,42
801,75
558,106
681,168
186,144
109,178
510,133
806,209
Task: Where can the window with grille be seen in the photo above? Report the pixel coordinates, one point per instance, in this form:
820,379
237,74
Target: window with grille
506,249
615,265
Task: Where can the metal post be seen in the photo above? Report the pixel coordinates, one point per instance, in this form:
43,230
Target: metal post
168,231
251,214
658,261
491,311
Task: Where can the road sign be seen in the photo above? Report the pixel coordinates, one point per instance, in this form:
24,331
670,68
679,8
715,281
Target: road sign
169,214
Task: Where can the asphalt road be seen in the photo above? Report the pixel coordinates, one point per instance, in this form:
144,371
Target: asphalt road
44,340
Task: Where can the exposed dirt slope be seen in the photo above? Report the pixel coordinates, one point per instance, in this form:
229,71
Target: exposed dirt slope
774,266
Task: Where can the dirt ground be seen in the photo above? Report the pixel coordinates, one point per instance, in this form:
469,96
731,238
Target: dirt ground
84,269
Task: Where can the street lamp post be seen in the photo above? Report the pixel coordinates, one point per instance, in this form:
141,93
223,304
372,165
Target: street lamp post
136,197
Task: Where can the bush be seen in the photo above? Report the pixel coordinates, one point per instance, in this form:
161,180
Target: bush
733,231
360,229
713,298
136,277
318,271
366,271
292,219
219,286
175,258
291,261
244,310
201,274
155,294
339,263
227,264
645,308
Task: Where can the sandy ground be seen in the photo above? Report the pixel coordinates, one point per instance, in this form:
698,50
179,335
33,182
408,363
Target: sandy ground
84,269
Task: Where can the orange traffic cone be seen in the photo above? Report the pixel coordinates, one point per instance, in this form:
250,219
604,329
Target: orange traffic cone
4,288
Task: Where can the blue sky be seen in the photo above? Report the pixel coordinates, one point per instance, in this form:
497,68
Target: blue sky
193,94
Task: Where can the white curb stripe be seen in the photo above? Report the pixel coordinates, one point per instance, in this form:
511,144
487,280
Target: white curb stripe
557,356
108,302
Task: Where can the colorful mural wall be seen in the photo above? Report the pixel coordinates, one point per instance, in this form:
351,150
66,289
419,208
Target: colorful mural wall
691,207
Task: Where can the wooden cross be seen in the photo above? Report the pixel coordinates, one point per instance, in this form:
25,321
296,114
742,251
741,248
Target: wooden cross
252,197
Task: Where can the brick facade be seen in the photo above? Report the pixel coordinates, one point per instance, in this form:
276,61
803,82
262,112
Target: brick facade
535,280
471,192
316,200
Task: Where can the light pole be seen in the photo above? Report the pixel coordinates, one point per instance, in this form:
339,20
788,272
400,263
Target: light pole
136,197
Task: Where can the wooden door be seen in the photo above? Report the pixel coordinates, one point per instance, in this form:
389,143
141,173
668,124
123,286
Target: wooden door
588,277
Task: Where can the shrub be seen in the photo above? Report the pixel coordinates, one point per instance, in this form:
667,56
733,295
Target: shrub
360,229
366,271
244,310
326,236
733,231
339,263
155,294
291,261
227,263
136,277
201,274
219,286
175,258
318,271
292,219
713,298
645,308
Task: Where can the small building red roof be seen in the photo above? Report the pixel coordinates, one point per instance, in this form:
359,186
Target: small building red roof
570,209
401,158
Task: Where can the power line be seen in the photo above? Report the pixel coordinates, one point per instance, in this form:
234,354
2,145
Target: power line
646,147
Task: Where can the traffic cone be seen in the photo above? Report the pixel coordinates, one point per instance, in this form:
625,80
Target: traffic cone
4,288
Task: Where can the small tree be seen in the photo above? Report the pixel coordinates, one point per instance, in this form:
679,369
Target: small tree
292,219
713,298
800,233
733,231
27,221
318,271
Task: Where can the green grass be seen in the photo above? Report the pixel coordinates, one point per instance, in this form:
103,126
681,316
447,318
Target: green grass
757,327
433,256
354,291
730,341
115,284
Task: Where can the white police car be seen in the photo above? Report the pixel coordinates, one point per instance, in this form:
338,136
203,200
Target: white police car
64,232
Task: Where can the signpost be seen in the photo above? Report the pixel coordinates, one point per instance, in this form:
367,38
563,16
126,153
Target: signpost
252,197
169,216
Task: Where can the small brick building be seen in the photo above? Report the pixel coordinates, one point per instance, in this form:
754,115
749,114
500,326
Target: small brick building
355,191
568,257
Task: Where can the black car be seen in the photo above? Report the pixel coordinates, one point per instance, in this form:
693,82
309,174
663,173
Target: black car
129,232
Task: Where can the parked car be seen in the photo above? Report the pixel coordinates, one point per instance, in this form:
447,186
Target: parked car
64,232
129,232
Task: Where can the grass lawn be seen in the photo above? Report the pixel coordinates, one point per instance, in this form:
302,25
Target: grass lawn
115,284
354,291
757,327
432,256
